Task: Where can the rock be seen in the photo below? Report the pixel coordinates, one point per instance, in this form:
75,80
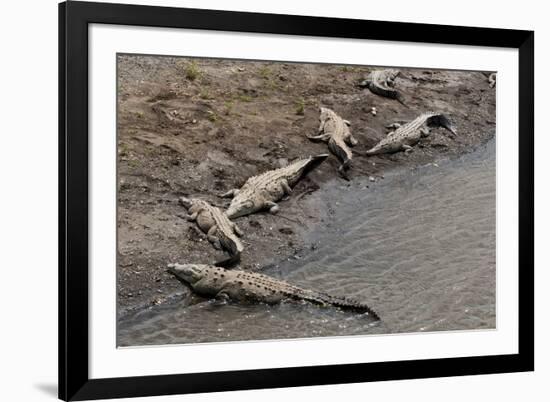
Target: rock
286,230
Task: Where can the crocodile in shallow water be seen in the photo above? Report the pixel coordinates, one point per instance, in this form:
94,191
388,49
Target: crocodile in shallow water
237,285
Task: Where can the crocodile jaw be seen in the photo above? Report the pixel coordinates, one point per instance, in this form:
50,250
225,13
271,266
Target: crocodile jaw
240,208
190,273
186,202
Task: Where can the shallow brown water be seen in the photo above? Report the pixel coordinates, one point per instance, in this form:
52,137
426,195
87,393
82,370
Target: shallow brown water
417,246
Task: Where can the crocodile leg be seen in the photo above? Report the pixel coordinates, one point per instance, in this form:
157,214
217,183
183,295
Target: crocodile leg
286,187
394,126
195,212
425,131
351,140
212,238
321,127
321,137
273,207
231,193
407,148
223,296
238,230
192,217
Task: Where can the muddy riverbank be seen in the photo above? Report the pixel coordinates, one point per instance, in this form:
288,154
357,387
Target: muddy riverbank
418,247
198,128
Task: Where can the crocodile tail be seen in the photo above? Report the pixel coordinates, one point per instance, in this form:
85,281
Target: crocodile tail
442,120
353,305
229,262
383,91
342,170
235,248
341,151
340,302
312,163
399,98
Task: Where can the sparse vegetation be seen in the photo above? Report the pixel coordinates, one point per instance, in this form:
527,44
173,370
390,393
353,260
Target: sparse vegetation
228,105
347,69
244,98
300,106
205,94
265,72
212,116
192,71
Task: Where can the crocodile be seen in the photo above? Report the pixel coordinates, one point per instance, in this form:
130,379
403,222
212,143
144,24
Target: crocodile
262,191
492,80
405,136
336,132
220,231
381,82
241,286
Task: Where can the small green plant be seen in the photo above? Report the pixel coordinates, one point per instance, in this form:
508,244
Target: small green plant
228,107
212,116
205,94
244,98
347,69
300,106
265,72
192,71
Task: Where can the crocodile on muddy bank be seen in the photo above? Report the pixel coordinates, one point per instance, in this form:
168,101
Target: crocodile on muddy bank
381,82
264,190
335,131
405,136
220,231
242,286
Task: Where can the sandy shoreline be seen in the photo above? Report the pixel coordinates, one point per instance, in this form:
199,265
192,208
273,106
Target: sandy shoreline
201,128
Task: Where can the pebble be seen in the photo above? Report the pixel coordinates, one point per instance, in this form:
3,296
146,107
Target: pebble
371,178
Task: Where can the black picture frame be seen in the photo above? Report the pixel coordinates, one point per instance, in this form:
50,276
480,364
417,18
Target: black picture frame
74,381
